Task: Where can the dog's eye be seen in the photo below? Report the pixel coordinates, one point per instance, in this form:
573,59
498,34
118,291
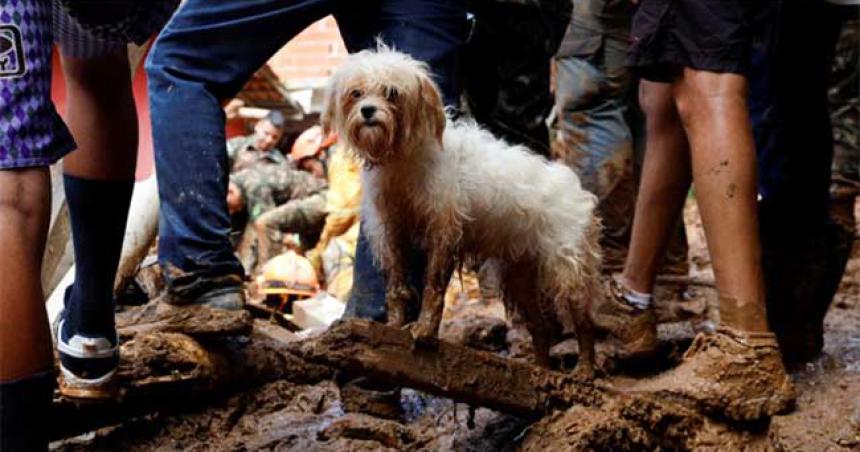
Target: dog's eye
391,94
355,94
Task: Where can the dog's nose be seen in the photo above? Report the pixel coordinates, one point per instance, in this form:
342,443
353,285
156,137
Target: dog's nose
367,111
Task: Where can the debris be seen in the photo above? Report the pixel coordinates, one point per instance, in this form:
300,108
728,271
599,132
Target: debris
317,312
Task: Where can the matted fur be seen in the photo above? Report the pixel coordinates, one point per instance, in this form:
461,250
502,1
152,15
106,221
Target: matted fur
452,187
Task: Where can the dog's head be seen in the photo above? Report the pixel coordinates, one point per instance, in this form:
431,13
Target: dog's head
384,105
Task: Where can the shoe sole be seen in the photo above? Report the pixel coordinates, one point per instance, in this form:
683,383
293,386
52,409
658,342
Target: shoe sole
71,386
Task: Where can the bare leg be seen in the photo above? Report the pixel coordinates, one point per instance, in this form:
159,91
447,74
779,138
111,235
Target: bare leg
25,341
101,117
663,189
714,113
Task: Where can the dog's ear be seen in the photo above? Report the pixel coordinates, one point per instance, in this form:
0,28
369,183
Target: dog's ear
329,106
433,105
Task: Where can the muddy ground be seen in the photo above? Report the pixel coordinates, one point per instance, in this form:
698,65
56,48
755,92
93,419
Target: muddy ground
287,416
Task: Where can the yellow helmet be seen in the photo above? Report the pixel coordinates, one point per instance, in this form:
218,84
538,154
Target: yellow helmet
289,274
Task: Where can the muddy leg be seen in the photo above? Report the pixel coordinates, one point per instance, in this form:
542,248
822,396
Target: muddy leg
585,340
397,297
521,294
440,266
395,266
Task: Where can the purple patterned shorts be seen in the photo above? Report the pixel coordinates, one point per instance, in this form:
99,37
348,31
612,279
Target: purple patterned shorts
31,131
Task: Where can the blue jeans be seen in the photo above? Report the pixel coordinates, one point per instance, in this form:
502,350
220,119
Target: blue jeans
205,54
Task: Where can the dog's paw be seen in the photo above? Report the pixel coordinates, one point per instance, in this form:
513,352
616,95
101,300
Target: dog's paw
583,372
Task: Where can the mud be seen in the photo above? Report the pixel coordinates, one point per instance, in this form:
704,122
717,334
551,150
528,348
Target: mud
196,321
263,414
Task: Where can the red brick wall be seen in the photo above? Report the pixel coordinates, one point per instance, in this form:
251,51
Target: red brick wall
308,59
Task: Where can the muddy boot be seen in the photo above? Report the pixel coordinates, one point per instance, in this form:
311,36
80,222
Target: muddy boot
634,328
729,373
211,311
374,399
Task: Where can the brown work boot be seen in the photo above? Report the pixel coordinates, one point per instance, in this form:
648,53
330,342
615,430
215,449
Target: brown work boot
728,373
634,328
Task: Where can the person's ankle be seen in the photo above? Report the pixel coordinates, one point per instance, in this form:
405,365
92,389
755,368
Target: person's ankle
636,298
743,315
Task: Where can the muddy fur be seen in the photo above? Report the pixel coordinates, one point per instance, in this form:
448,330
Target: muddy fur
461,193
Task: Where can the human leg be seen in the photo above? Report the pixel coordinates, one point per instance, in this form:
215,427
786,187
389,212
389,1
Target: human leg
26,361
626,310
737,371
204,55
32,136
593,137
663,187
714,113
98,181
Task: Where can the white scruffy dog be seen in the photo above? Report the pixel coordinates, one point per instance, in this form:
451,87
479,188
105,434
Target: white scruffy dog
459,193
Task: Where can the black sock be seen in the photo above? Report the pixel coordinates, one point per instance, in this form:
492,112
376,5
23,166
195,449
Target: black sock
25,406
98,211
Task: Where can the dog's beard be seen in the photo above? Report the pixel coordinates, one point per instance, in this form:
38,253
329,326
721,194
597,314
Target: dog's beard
374,140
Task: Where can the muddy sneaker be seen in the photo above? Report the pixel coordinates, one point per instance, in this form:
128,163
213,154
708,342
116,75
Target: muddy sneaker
733,374
634,328
87,363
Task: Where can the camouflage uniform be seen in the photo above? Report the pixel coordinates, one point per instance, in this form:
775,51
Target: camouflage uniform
281,199
600,131
242,154
845,115
506,66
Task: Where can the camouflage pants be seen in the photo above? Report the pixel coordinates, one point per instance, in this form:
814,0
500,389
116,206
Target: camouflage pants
844,116
599,134
304,217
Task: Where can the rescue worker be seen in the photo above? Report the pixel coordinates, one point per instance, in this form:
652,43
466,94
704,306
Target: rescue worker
310,151
260,146
600,126
334,254
287,278
278,200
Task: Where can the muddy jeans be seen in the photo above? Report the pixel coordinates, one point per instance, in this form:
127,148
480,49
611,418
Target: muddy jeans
600,128
205,54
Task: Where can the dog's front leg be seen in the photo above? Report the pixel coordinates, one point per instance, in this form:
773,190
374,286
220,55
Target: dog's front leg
440,265
398,295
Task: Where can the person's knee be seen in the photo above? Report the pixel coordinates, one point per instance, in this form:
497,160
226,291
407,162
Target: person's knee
700,95
656,101
25,200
